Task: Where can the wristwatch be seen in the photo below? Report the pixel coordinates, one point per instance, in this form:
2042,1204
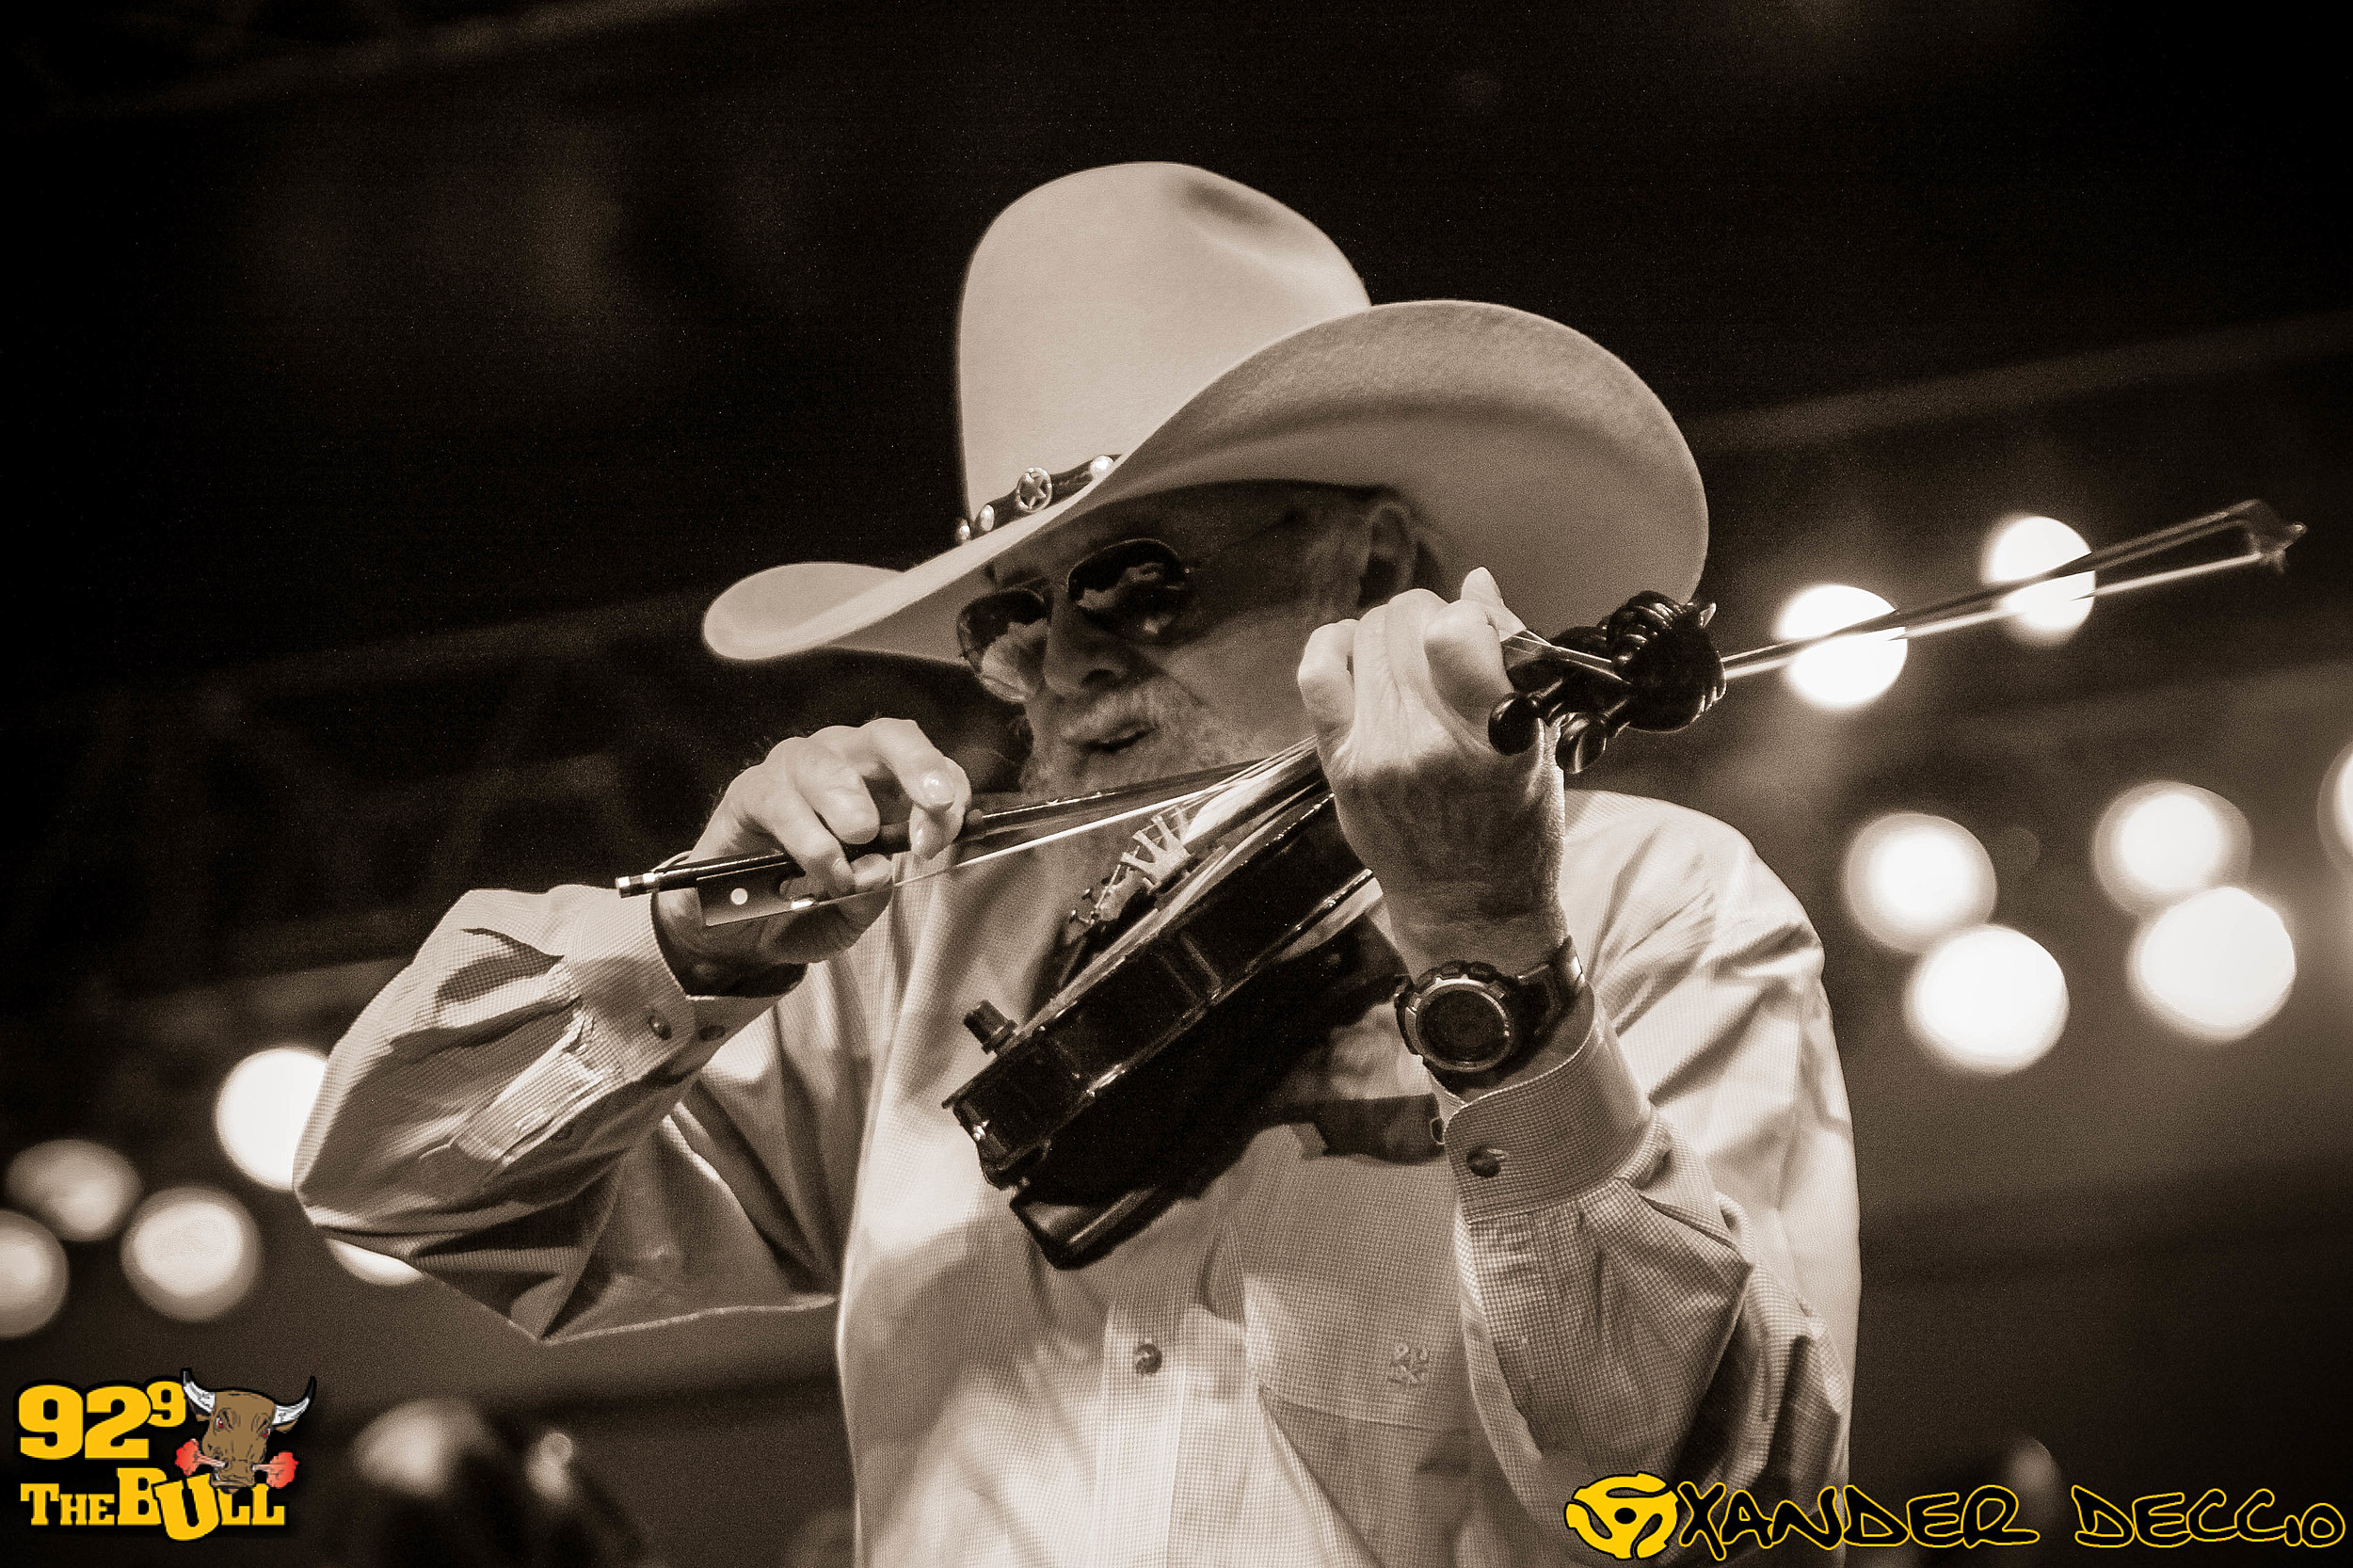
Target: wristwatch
1465,1017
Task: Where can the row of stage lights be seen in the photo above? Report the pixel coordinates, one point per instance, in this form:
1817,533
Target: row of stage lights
191,1252
2212,961
1854,671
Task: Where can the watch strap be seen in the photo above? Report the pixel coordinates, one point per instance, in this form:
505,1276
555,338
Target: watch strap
1549,991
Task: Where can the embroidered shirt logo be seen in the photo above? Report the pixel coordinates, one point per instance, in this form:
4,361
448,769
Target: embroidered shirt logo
1409,1365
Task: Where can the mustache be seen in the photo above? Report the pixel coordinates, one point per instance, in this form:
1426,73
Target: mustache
1182,735
1177,732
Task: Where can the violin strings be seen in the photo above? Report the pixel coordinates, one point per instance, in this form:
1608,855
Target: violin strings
1241,775
801,905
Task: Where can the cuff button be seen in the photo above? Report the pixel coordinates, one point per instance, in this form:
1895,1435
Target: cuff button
1485,1163
660,1025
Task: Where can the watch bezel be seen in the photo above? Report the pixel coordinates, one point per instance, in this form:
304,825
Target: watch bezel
1530,1006
1449,979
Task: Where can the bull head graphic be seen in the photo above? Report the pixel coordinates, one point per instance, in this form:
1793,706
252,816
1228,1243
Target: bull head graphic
236,1433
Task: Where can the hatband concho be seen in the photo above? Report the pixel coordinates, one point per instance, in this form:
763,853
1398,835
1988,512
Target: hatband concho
1035,492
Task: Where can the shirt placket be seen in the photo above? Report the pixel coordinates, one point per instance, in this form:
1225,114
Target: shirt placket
1147,1367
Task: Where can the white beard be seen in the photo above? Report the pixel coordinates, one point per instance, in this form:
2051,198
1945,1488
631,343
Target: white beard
1184,736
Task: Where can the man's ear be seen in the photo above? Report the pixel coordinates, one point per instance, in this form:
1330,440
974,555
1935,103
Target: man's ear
1400,552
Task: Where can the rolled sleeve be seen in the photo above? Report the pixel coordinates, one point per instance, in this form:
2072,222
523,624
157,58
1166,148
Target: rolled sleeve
1628,1307
506,1115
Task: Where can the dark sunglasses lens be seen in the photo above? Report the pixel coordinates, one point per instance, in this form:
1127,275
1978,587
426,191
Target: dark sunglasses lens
982,631
1135,589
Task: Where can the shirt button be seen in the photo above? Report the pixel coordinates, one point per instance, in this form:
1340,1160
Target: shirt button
1485,1163
1147,1359
712,1032
660,1025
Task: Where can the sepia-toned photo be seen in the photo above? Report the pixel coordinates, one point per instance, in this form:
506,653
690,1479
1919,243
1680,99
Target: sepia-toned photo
1091,788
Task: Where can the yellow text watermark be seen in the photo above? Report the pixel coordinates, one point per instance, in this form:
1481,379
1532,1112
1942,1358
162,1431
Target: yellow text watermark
1638,1516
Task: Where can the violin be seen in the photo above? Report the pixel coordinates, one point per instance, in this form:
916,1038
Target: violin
1230,939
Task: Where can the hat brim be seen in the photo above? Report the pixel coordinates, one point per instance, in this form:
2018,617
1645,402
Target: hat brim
1535,450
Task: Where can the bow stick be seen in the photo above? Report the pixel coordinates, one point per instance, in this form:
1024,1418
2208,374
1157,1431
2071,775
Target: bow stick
753,886
2269,536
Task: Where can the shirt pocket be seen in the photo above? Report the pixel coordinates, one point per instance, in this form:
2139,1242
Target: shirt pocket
1351,1298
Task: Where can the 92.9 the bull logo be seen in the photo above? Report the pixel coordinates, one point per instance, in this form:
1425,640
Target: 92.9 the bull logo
228,1460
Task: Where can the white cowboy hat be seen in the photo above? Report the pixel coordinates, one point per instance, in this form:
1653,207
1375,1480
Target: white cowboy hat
1148,326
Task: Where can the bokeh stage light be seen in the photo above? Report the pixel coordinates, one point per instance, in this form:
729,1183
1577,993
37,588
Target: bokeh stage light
1988,1000
2336,809
32,1275
192,1253
80,1189
2164,842
2216,966
2021,547
1851,671
1911,878
373,1267
262,1107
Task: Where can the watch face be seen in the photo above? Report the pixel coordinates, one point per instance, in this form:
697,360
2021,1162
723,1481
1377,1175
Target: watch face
1463,1026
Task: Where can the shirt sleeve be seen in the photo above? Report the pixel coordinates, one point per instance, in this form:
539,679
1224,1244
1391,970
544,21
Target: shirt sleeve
1657,1236
534,1112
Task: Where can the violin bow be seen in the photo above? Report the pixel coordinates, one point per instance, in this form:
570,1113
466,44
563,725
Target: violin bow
755,887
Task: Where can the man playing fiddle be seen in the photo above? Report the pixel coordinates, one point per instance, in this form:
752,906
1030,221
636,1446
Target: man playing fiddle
1220,505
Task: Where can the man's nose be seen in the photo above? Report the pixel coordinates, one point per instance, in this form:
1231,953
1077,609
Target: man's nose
1081,657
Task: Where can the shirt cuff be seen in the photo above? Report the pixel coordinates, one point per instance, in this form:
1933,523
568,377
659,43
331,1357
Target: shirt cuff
632,997
1551,1137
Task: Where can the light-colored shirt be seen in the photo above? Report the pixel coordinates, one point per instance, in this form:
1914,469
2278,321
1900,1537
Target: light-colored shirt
1325,1357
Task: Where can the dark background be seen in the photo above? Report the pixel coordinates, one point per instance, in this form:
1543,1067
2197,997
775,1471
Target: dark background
398,380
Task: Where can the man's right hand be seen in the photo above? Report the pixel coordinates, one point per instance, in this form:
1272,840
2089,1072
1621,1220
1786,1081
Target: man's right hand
811,798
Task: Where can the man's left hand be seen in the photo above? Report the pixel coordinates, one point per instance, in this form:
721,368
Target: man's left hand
1465,840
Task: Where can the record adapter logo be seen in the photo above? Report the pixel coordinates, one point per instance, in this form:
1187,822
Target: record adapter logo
1627,1516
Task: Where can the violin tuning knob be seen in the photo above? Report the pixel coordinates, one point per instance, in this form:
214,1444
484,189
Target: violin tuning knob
1512,724
991,1028
1707,612
1582,742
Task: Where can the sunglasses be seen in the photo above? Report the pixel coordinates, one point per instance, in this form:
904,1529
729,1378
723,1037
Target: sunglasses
1137,590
